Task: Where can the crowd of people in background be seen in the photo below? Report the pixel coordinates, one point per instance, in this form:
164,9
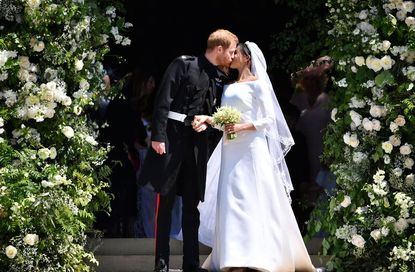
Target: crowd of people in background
124,115
126,119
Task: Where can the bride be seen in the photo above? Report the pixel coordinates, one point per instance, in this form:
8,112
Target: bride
246,217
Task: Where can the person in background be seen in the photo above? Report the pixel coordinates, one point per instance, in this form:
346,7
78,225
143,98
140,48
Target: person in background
123,130
314,82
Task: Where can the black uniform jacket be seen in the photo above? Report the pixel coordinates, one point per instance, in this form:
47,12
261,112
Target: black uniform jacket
192,86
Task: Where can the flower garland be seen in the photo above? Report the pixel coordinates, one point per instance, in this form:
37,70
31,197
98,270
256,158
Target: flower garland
52,174
369,220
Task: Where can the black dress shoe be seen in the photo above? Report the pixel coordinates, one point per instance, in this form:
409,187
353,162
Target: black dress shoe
161,266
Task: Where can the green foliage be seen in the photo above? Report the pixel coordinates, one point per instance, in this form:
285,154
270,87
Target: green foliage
303,38
369,219
52,176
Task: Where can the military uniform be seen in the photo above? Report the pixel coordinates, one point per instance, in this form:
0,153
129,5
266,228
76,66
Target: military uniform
190,86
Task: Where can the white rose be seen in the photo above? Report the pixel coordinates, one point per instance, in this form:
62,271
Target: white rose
53,153
79,65
346,201
354,142
351,140
393,127
387,147
395,140
358,241
39,46
1,122
410,21
367,124
409,163
359,60
11,252
376,234
400,120
409,180
373,63
66,101
377,111
68,131
386,62
386,159
356,118
333,114
24,62
31,239
376,125
406,149
43,153
386,45
408,6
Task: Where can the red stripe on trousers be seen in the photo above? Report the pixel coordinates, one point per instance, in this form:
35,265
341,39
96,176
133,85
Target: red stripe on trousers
156,223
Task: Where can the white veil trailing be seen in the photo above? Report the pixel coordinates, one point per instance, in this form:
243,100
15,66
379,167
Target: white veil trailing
278,134
279,141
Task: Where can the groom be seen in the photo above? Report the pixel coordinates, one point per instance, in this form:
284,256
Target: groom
176,163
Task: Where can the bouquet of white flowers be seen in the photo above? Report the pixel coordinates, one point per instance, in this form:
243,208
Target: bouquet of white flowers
227,115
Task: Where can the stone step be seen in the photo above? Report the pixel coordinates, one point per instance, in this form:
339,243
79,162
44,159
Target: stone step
137,255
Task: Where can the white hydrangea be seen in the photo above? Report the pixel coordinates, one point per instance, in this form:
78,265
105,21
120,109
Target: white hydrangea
357,103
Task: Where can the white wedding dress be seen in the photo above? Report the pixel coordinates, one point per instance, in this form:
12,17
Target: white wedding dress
246,217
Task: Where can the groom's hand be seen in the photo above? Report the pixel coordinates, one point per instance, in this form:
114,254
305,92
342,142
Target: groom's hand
159,147
200,127
199,123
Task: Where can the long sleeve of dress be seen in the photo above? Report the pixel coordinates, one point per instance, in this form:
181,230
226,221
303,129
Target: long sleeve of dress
266,116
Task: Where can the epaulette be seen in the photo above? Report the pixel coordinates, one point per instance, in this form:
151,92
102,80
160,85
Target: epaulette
187,57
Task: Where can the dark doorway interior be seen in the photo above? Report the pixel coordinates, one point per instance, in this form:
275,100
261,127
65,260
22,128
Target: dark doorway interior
167,29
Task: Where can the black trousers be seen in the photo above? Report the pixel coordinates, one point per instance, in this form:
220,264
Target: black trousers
187,186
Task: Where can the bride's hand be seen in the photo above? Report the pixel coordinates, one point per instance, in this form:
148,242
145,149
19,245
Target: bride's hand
232,128
200,120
